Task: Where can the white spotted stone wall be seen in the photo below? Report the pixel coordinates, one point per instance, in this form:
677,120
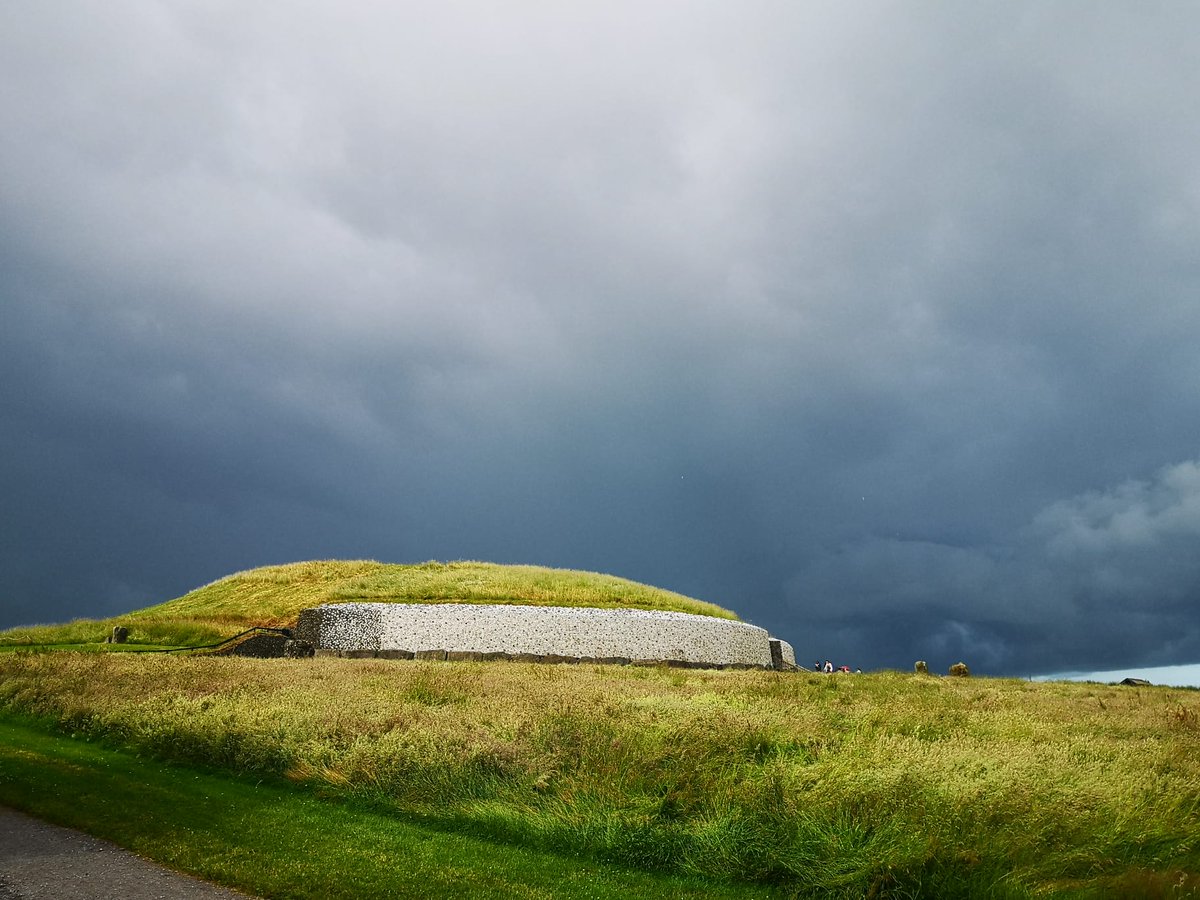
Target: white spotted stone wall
342,626
550,631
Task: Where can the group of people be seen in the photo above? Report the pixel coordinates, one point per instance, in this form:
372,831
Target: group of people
829,668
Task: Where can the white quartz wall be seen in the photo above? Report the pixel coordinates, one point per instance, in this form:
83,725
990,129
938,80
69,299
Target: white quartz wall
538,630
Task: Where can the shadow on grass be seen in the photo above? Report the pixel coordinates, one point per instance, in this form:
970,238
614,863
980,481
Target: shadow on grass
274,840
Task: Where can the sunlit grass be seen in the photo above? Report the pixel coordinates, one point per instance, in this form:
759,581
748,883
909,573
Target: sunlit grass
274,596
266,837
825,785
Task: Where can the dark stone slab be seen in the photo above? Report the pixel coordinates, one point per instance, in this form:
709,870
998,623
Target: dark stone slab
776,653
394,654
308,626
260,646
297,649
429,654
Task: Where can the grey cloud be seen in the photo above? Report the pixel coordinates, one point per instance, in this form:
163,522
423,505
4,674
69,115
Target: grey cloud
818,313
1115,567
1132,516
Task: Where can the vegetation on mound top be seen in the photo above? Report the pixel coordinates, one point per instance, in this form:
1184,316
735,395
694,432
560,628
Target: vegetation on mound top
274,595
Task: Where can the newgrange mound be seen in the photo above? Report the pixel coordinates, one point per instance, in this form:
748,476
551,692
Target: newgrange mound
456,607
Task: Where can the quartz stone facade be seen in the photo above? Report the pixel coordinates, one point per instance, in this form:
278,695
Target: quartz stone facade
551,633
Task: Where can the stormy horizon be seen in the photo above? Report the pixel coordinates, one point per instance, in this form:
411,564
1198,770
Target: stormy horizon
876,325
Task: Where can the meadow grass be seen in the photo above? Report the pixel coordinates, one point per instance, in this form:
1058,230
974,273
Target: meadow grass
275,595
268,838
843,786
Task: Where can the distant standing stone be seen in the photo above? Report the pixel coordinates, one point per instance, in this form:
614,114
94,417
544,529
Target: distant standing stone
120,634
920,667
960,669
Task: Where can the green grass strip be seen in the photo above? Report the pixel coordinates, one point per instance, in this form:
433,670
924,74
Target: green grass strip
275,840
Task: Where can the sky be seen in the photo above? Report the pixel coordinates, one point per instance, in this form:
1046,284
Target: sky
876,323
1171,676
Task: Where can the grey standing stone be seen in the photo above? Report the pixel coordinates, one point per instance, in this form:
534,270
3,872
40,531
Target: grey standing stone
776,653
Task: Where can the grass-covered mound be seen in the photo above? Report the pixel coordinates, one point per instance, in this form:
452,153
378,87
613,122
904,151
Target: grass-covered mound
883,785
274,595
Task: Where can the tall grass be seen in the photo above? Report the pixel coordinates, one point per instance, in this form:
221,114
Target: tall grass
823,785
300,846
155,630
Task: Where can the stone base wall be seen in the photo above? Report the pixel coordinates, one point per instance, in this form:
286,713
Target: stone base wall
548,633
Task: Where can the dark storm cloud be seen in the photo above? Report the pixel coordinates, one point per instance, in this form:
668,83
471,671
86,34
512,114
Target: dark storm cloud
843,317
1103,575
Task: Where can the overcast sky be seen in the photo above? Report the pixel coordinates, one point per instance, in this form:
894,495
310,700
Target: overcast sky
878,323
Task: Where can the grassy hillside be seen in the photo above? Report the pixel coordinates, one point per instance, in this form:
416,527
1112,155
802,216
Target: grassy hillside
274,595
884,785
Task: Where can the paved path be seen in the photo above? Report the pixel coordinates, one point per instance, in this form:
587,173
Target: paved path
39,861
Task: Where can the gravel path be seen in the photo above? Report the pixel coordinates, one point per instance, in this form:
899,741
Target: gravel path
39,860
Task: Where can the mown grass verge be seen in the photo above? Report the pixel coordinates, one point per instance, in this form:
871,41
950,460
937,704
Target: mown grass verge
271,839
821,786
